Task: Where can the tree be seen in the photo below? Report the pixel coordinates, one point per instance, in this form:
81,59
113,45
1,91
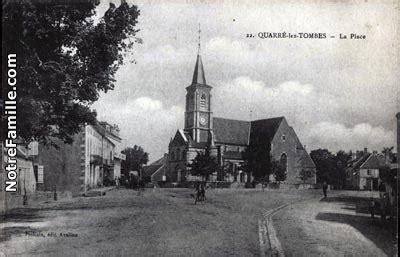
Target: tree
65,60
222,171
338,175
278,170
136,157
388,153
257,161
203,164
305,175
324,162
331,167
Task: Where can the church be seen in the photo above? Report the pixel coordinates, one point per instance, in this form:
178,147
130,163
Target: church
228,138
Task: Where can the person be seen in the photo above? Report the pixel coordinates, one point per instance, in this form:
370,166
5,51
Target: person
203,191
117,181
372,207
325,188
383,206
382,189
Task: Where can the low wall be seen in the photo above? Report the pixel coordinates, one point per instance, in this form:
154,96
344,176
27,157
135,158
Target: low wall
284,186
17,201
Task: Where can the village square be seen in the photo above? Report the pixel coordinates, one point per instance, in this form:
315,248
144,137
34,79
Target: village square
225,171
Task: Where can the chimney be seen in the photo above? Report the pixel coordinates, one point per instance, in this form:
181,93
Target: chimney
365,150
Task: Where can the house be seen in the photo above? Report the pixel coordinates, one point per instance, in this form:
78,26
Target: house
86,163
112,133
156,171
227,139
363,170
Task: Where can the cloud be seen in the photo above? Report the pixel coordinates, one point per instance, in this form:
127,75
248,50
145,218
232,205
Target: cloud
145,104
314,115
343,83
144,121
334,136
300,102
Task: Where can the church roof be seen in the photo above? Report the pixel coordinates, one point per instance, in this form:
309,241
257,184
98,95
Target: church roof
263,131
232,155
229,131
198,75
236,132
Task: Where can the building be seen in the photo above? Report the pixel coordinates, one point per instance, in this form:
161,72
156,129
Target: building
156,171
26,178
87,163
227,138
363,170
112,133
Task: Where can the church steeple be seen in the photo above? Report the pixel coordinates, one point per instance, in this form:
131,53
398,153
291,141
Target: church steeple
198,114
198,75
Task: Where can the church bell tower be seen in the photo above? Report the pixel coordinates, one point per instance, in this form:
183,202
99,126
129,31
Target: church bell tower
198,114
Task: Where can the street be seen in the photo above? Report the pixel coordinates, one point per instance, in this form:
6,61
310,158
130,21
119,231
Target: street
339,225
165,222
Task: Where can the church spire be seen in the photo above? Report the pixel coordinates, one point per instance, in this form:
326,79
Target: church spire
198,50
198,75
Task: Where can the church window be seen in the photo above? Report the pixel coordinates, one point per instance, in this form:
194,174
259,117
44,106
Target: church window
183,155
283,137
283,162
203,99
172,155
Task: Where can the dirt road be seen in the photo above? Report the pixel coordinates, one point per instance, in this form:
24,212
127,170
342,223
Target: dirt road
337,226
160,223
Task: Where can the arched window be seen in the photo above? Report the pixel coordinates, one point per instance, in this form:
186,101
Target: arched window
172,155
183,155
283,161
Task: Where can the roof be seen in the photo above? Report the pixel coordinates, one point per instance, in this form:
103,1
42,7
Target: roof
198,74
299,145
183,134
263,131
232,155
356,163
102,131
236,132
372,162
305,160
229,131
148,171
199,144
159,161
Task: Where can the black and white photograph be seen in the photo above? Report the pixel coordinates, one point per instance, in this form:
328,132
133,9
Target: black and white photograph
200,128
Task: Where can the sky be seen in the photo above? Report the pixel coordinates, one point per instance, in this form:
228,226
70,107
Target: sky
337,94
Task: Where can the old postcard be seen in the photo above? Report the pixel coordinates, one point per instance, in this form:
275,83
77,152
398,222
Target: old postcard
199,128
